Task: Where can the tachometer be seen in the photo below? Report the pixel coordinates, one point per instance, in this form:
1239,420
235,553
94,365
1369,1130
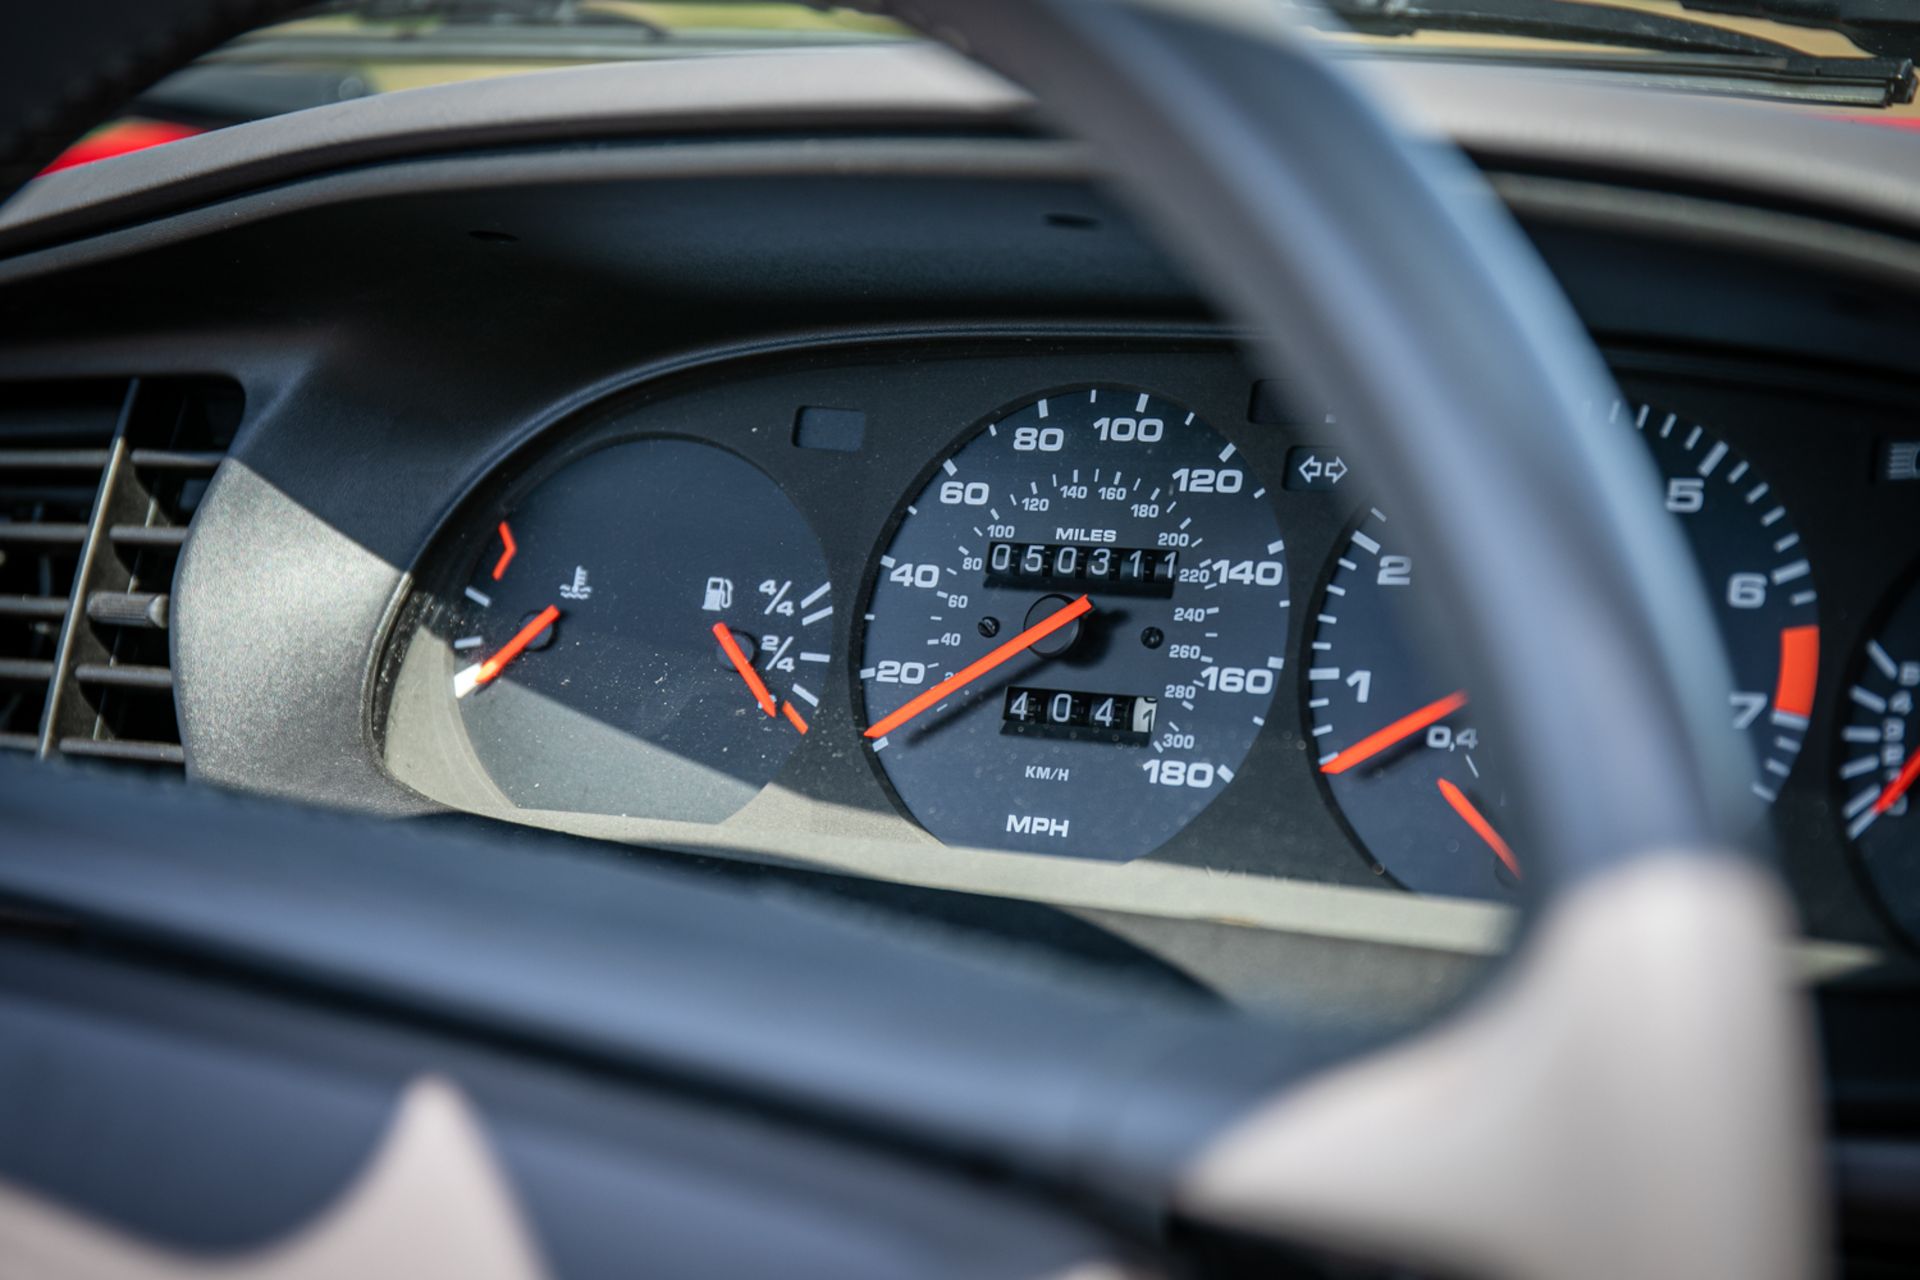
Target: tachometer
1758,577
637,634
1076,630
1394,738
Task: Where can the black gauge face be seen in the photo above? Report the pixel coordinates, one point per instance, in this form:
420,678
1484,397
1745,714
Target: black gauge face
1395,740
644,633
1393,737
1879,760
1075,634
1759,580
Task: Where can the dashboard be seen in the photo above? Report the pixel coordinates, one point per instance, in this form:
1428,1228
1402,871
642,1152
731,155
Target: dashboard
874,501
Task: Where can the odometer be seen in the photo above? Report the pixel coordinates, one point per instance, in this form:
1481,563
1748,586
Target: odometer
1076,630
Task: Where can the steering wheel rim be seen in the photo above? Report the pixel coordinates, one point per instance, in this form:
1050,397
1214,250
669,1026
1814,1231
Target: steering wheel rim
1383,276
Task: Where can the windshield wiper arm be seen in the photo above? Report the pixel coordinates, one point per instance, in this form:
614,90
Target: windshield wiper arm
1890,28
1722,53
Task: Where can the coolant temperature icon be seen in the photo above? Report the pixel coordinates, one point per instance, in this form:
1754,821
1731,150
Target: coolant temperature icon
578,588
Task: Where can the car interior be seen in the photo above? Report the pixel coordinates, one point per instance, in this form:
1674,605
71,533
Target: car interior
763,639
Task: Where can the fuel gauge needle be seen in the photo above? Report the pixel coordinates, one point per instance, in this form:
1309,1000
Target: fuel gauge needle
738,657
465,682
1471,815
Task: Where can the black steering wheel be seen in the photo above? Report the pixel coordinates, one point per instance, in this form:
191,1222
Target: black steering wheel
1633,1097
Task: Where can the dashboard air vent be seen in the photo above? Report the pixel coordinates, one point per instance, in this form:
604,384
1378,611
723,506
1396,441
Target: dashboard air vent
98,483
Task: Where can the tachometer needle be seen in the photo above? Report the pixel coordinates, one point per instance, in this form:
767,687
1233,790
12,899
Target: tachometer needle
738,657
480,673
1471,814
1405,727
1890,796
980,666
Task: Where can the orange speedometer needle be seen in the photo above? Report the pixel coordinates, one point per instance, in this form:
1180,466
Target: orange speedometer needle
980,666
738,657
1400,730
1470,812
1901,784
480,673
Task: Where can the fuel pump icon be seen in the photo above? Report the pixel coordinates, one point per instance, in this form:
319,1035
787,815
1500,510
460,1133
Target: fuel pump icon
719,595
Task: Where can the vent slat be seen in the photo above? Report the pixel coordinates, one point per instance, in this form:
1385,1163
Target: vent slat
130,749
123,676
51,607
99,481
52,459
147,536
129,609
198,463
20,534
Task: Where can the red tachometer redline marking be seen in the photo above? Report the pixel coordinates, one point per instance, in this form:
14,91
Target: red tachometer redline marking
1470,813
794,717
508,547
1799,670
1890,795
1405,727
980,666
737,656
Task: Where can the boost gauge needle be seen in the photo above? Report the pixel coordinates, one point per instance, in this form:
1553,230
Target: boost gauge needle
1399,731
980,666
465,682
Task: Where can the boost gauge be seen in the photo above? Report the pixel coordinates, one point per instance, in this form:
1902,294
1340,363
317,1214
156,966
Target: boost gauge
1879,760
1077,628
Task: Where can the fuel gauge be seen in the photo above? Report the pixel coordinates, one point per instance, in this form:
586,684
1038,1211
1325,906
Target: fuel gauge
644,632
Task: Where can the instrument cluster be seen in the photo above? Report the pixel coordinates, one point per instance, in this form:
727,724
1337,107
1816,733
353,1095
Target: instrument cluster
1112,604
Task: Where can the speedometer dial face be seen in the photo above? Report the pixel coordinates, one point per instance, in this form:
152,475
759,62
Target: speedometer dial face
638,633
1879,759
1076,630
1394,738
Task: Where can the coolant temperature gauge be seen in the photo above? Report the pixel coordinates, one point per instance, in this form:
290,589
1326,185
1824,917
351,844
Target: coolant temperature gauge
644,632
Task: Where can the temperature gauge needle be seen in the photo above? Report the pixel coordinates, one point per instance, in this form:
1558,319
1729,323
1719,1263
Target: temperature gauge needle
1909,772
738,657
1400,730
980,666
480,673
1470,813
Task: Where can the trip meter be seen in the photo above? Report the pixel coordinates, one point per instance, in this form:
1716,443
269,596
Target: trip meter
1076,631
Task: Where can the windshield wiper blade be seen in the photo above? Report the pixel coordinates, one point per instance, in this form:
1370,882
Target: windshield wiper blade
1889,28
1721,53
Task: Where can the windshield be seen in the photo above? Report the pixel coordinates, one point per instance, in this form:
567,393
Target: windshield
344,49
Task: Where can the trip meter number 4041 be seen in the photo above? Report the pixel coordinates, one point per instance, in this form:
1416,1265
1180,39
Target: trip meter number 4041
1075,633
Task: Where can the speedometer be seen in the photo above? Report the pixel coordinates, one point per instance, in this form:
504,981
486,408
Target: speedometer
1076,630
